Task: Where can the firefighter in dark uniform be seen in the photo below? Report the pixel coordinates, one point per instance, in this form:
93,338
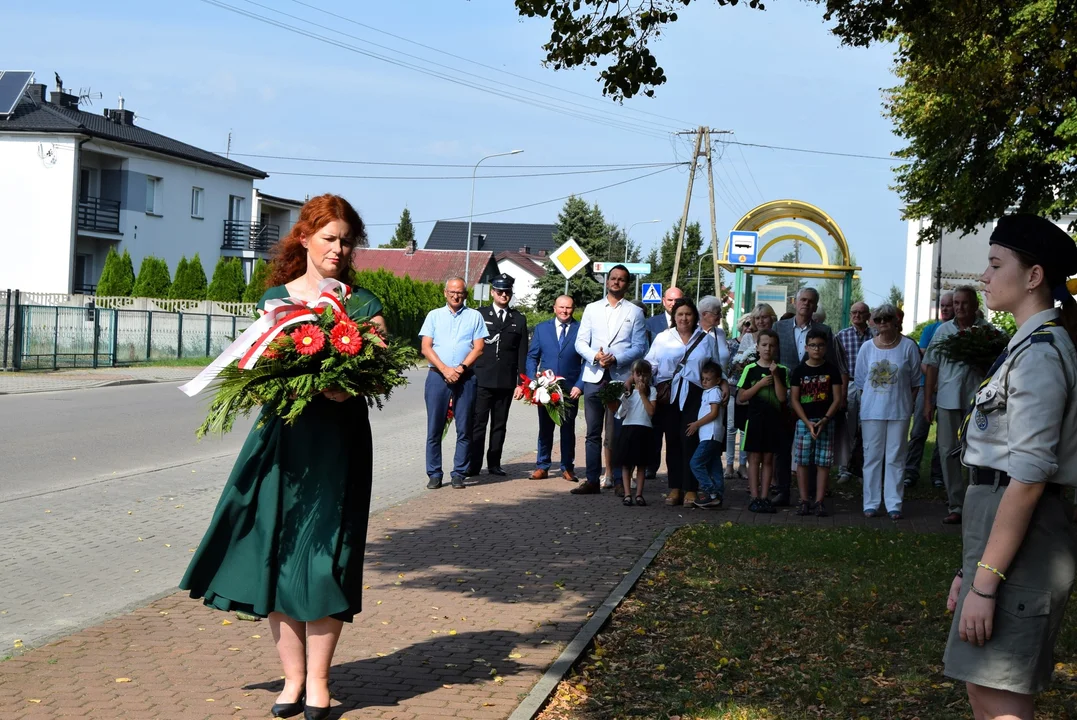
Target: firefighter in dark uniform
498,372
1020,445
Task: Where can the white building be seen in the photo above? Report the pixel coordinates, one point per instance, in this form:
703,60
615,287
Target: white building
74,184
526,270
963,262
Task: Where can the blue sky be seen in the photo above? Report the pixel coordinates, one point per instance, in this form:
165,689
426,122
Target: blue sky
195,72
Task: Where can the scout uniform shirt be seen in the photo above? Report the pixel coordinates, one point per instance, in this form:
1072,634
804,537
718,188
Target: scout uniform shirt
1037,382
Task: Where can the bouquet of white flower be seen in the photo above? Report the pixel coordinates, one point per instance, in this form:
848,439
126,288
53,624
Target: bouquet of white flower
545,390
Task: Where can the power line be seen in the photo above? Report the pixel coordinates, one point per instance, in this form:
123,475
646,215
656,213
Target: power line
467,177
749,168
442,165
811,152
534,204
680,123
626,125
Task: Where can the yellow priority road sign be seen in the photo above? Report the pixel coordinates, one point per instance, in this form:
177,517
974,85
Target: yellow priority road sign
569,258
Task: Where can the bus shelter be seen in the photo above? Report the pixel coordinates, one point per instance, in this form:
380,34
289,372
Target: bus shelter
759,242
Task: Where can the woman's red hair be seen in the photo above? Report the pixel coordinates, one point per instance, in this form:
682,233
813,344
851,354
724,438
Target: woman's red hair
290,257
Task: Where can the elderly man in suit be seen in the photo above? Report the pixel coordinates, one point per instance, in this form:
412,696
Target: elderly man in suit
611,337
792,338
553,347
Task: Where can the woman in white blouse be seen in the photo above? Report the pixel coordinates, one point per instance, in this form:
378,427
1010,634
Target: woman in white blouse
677,356
888,375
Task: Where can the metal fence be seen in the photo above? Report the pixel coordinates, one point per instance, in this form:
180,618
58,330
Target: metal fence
40,337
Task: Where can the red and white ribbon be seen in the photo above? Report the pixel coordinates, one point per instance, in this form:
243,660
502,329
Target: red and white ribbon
279,314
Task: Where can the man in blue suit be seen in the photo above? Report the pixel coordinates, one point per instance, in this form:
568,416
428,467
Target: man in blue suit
553,347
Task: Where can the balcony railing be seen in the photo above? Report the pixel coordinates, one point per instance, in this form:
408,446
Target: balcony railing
259,237
99,215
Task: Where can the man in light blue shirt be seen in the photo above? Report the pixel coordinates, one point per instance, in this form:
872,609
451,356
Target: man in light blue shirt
452,339
611,337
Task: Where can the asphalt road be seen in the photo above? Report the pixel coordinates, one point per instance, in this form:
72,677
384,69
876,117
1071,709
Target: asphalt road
105,492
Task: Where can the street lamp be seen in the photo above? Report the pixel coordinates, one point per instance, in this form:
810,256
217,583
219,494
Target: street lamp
627,232
699,275
471,214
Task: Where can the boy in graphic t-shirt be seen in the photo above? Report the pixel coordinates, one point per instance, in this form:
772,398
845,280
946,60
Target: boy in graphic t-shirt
816,389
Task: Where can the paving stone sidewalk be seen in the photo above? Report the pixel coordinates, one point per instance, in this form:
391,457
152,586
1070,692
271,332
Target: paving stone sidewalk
470,596
12,383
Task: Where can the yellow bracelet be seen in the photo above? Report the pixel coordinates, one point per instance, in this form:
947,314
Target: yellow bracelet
991,569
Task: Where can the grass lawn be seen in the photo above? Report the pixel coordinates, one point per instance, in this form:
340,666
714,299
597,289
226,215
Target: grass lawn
740,622
175,362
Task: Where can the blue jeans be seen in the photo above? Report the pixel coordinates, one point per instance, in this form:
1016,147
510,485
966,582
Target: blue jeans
706,465
437,394
568,436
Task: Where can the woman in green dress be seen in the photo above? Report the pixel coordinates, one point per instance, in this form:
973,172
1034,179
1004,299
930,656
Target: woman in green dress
288,536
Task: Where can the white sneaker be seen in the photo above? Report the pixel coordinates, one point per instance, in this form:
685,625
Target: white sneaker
607,482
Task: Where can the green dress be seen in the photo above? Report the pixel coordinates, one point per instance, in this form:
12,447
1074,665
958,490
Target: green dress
289,532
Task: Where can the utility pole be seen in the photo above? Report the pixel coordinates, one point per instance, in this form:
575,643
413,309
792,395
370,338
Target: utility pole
687,201
714,230
703,134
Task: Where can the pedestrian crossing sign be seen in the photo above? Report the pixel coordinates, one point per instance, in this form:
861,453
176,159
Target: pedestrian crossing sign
652,293
569,258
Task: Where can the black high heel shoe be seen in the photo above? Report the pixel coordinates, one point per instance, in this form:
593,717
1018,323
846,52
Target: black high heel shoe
315,713
287,710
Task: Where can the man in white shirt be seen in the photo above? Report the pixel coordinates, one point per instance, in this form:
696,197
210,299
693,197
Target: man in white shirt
611,337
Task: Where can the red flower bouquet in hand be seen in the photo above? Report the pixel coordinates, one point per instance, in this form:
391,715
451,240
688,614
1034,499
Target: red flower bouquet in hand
295,352
544,390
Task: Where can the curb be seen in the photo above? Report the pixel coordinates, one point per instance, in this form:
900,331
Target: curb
93,385
540,693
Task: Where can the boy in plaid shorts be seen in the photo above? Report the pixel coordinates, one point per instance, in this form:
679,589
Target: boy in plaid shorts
816,391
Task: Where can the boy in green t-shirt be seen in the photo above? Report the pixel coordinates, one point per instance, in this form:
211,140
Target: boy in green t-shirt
763,387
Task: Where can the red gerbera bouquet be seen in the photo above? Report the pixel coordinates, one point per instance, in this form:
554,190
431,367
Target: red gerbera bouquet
544,390
295,352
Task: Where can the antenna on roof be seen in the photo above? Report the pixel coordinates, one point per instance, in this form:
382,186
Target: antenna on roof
87,96
228,150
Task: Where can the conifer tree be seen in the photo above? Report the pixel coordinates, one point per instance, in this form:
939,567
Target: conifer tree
257,286
153,279
405,232
228,283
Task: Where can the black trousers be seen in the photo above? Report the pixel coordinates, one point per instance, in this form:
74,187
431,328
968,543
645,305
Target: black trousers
673,423
491,404
783,459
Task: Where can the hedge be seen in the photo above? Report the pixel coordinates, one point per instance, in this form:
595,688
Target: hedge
153,279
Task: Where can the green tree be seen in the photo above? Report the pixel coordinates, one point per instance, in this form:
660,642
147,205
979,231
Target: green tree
153,278
257,286
405,232
662,271
228,282
830,297
586,224
190,280
988,108
117,277
895,297
583,33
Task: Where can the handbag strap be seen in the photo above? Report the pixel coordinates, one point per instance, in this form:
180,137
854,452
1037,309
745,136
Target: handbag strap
689,351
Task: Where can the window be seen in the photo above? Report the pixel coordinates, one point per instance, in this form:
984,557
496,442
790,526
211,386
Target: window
235,208
154,205
196,202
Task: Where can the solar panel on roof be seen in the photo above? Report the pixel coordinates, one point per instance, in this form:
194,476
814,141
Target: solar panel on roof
12,85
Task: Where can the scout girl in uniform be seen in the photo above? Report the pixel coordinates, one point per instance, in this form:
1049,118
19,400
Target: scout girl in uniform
1020,445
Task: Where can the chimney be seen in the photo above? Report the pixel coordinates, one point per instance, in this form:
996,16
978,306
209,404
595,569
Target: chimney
36,91
542,253
526,250
409,249
64,100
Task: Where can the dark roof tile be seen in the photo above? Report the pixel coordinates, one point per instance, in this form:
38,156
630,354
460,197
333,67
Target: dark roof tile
500,237
44,117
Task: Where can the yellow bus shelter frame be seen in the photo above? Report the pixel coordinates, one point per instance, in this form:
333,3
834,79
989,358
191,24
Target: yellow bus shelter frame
791,216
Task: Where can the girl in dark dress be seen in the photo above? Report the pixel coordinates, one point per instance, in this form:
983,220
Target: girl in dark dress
288,536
